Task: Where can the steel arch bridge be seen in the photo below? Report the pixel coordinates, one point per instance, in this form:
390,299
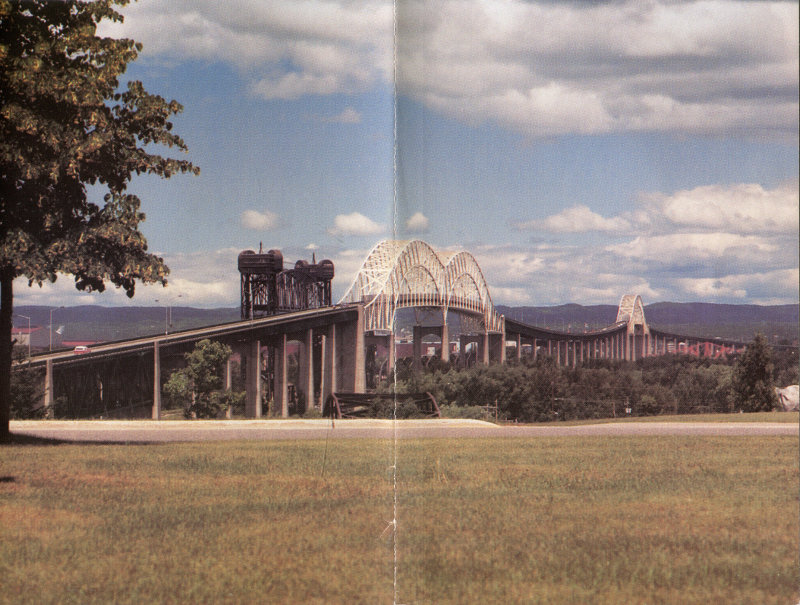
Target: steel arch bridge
410,273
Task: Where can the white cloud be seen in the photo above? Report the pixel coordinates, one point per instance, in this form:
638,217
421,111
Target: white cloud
417,223
578,219
264,221
286,49
738,209
201,279
770,287
551,68
744,208
539,68
347,116
355,223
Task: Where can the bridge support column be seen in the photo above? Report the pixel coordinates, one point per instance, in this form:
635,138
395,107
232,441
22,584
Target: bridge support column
323,345
306,368
229,383
156,412
329,370
495,346
392,353
351,355
48,388
252,406
281,389
416,348
485,349
444,354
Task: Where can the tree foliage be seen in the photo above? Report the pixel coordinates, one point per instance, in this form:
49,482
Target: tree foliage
66,126
753,386
198,387
539,390
27,391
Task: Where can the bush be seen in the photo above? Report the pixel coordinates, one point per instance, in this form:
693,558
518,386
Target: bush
473,412
312,413
197,387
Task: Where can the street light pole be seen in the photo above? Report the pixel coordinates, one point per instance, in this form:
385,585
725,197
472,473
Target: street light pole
167,314
166,317
51,325
29,332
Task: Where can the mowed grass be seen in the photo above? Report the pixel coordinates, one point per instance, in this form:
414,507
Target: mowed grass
544,520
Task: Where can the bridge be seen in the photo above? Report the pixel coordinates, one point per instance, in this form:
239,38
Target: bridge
336,344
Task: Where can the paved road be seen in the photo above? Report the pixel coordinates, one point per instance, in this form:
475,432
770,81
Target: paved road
149,431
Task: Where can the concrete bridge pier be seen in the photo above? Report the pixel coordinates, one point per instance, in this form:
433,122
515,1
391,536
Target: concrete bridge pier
441,332
252,360
156,413
48,387
305,360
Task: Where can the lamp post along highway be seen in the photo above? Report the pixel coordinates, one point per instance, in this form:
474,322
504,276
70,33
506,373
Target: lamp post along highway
29,332
51,325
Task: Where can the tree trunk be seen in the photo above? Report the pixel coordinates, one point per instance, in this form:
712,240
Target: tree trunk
6,314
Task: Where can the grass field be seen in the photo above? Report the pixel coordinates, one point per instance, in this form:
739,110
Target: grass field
545,520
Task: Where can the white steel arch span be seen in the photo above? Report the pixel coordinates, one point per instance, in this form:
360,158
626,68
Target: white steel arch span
409,273
631,311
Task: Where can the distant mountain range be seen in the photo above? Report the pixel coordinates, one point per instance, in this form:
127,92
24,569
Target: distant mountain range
780,323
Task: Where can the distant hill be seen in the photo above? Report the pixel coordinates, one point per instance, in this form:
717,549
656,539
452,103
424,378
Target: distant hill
740,322
95,323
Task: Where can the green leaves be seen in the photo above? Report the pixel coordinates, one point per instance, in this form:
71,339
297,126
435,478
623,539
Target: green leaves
64,125
198,386
753,388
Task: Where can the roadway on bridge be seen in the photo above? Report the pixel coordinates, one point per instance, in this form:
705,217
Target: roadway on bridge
149,431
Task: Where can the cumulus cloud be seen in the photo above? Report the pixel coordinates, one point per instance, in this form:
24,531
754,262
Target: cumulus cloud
741,209
264,221
417,223
355,223
550,68
578,219
200,279
690,248
540,68
347,116
285,49
770,287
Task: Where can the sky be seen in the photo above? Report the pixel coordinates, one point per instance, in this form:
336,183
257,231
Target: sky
580,150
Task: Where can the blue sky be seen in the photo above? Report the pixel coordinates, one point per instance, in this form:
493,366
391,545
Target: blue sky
579,150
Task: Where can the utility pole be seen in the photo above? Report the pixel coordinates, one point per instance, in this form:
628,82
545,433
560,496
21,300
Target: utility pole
29,332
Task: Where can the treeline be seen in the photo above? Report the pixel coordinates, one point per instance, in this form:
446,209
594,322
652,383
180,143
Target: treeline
539,390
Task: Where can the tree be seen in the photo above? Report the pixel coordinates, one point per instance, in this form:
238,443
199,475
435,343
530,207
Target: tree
752,386
27,390
64,126
198,387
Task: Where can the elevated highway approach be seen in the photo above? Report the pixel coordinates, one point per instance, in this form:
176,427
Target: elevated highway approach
335,344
